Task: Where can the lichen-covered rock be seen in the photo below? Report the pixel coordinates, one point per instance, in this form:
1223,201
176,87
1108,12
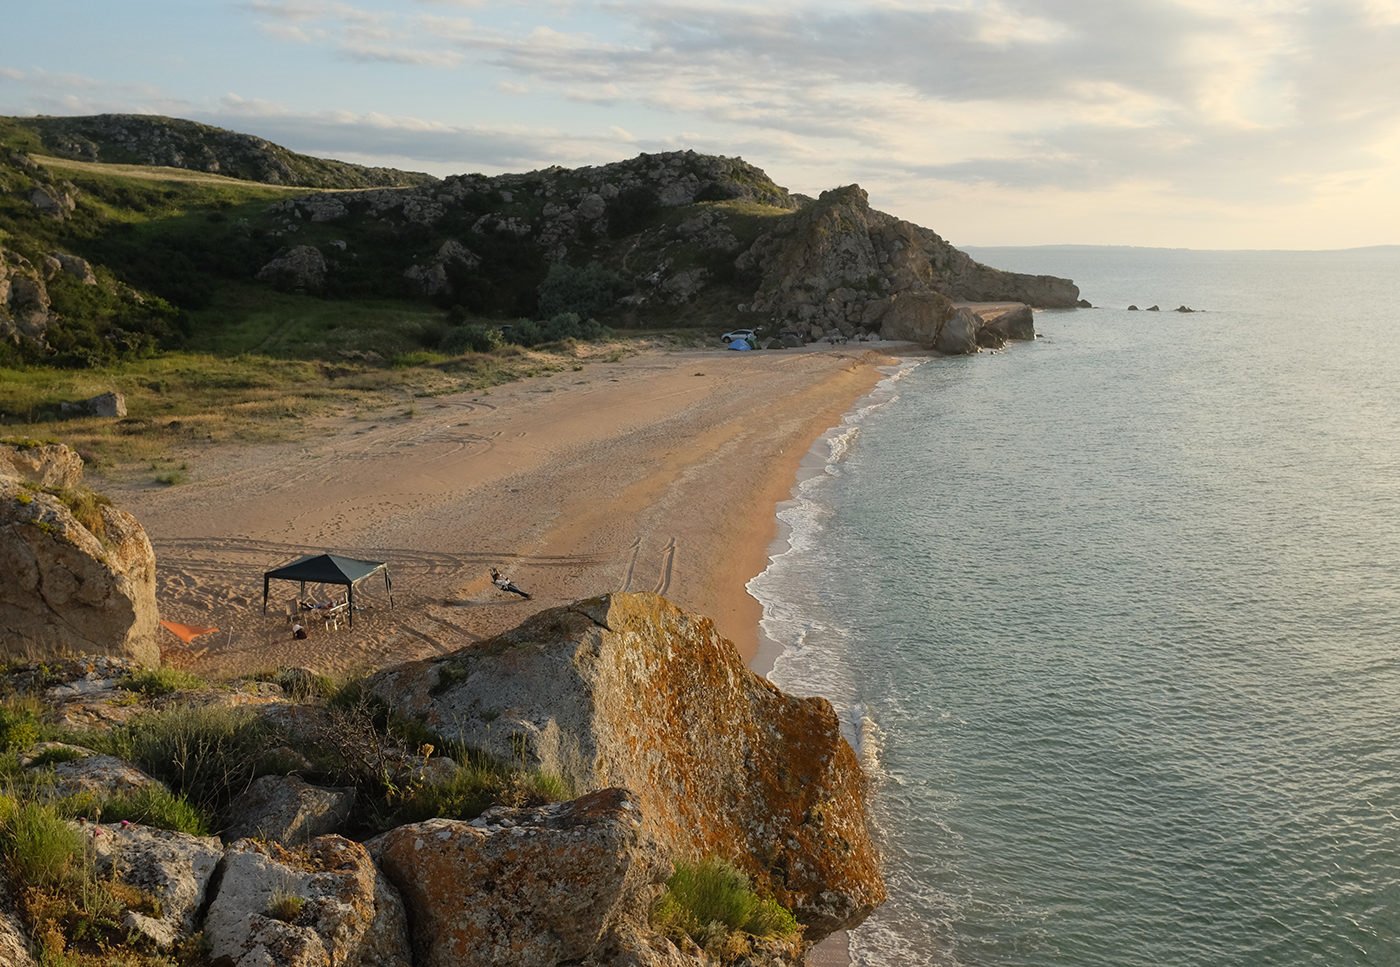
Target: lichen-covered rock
69,590
42,464
916,317
627,690
301,269
173,868
537,887
103,776
288,810
348,915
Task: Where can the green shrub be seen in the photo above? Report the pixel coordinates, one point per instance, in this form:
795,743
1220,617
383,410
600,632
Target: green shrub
702,896
476,339
581,289
285,905
55,755
473,788
19,725
156,806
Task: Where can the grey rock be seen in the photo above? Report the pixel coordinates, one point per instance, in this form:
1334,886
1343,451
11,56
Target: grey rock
958,335
175,868
68,590
287,810
44,465
77,267
560,884
14,938
301,268
104,776
1017,323
349,915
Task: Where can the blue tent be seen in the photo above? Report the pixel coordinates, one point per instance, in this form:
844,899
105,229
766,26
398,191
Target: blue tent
740,344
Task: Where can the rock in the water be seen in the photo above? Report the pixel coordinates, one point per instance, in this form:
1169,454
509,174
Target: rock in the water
1154,308
1017,323
325,906
958,336
287,810
1183,308
1084,304
916,317
174,868
627,690
525,887
73,587
1133,309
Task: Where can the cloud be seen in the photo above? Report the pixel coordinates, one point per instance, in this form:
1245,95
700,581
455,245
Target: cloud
440,148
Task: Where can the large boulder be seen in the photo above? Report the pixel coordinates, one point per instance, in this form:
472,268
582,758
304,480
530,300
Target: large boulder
300,269
25,308
916,317
627,690
173,868
42,464
73,587
958,335
103,776
1017,322
561,884
325,906
288,810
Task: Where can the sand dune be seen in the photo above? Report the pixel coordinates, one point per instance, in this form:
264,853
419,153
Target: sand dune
659,472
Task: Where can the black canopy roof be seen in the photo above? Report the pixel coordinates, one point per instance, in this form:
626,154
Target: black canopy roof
328,569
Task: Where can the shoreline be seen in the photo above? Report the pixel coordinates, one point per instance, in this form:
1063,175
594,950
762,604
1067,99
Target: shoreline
658,472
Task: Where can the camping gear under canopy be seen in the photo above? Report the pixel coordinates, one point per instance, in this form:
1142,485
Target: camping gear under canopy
329,569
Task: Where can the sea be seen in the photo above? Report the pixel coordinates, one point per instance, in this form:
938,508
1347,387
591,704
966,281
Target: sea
1113,620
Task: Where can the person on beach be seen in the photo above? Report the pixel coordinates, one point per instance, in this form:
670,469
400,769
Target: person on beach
298,631
505,584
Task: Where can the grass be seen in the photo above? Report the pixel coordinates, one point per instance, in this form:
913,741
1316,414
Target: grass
154,682
284,905
157,806
711,899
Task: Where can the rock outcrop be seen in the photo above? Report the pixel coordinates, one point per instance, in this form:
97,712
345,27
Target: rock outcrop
26,310
42,464
628,691
73,586
839,264
561,884
288,810
325,906
175,869
301,268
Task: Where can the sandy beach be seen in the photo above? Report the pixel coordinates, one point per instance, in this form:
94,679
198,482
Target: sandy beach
658,472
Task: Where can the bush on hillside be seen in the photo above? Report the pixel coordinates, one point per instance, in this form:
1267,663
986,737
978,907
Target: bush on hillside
582,289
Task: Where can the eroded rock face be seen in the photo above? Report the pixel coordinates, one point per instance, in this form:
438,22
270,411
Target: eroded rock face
14,939
1017,323
349,916
628,691
68,590
537,887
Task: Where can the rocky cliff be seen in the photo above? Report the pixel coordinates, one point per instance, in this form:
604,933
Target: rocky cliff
79,574
627,690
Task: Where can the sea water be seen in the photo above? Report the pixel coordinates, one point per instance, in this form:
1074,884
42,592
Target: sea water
1113,619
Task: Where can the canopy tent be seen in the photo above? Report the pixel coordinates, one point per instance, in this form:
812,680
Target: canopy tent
329,569
741,345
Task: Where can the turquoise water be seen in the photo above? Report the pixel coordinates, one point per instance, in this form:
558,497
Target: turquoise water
1114,620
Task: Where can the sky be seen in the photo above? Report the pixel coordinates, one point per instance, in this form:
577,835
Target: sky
1183,123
